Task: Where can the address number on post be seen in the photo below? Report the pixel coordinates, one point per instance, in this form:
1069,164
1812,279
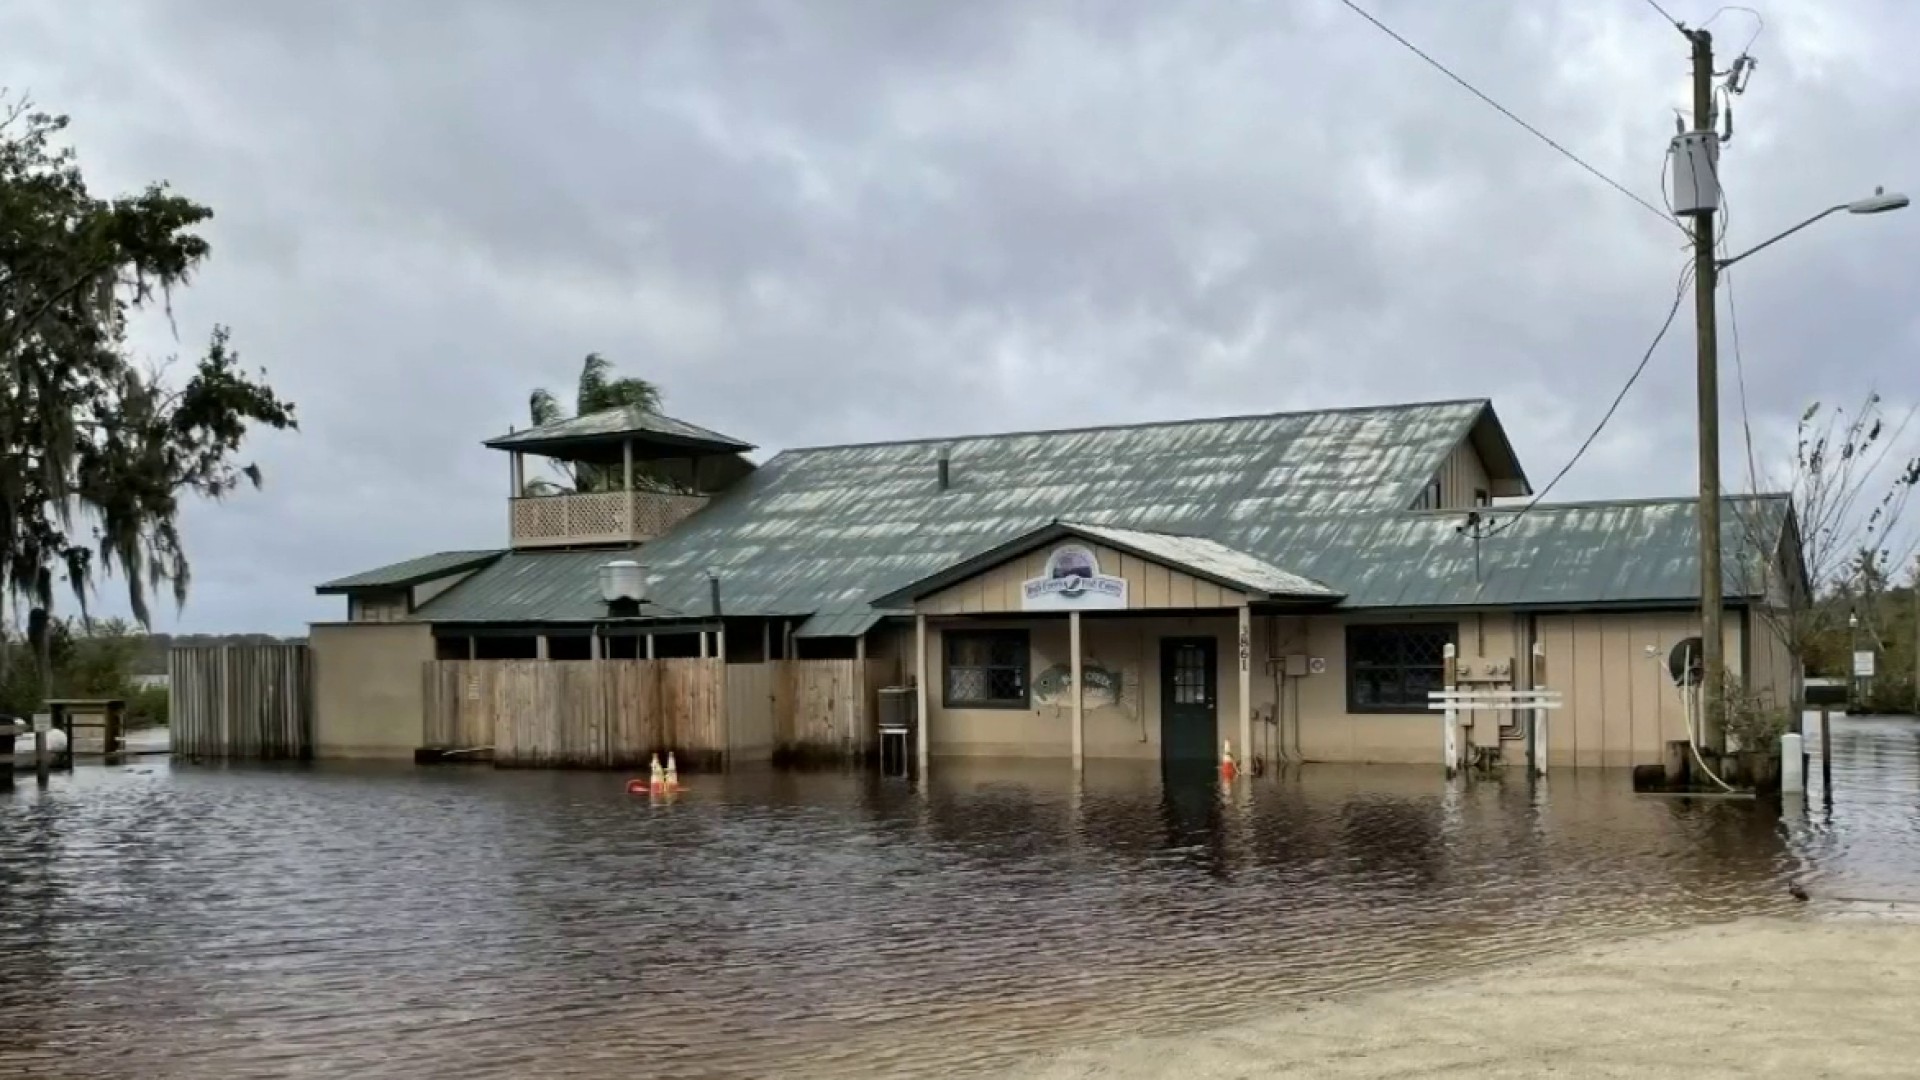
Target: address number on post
43,724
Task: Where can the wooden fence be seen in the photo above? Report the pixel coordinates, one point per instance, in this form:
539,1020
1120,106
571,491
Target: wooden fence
618,713
825,709
577,713
246,702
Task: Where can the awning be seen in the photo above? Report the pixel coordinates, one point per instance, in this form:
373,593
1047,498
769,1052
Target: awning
841,623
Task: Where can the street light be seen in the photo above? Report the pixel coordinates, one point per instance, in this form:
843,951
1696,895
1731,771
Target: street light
1878,203
1706,275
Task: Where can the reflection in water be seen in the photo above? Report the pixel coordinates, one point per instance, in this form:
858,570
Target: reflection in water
452,922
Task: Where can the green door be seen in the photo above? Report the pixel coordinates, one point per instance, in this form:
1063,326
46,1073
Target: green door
1189,684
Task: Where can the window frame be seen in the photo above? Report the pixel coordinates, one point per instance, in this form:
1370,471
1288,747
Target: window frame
950,639
1452,634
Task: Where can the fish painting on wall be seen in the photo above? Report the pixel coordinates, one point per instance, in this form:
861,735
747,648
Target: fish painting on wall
1105,687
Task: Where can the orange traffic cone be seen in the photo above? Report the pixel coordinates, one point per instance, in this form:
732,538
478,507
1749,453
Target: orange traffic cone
656,776
1228,770
673,773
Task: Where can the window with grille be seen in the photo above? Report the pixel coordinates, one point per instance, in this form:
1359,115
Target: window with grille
987,669
1393,668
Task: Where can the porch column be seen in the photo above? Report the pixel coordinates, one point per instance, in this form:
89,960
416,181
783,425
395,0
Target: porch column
920,691
649,646
766,640
517,475
1073,676
1246,684
540,647
703,644
626,487
593,644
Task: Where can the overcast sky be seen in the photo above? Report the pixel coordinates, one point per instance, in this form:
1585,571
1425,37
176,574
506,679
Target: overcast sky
820,222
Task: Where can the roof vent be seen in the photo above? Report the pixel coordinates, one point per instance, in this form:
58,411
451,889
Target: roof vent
946,467
623,580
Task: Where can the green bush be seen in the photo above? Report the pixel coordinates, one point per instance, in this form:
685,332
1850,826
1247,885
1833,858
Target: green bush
1886,695
147,707
1752,720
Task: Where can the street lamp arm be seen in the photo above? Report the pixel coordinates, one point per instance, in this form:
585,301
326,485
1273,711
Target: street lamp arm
1724,263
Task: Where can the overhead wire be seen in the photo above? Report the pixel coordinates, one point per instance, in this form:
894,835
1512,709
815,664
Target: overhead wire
1759,27
1503,110
1505,523
1677,24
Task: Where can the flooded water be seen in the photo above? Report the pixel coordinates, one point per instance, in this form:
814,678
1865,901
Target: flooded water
198,922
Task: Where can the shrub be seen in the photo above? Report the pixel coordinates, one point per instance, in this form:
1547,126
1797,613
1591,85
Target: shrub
147,707
1752,721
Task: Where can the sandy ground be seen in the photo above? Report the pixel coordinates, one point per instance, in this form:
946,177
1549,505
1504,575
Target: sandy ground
1803,998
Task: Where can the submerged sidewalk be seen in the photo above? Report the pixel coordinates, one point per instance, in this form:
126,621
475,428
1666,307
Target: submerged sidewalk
1759,997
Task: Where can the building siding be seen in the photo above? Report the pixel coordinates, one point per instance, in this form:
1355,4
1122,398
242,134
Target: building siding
1130,729
369,688
1462,476
1620,706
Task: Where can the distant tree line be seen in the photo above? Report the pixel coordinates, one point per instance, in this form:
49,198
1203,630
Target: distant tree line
152,657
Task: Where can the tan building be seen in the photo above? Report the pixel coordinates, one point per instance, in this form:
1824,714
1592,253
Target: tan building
1291,583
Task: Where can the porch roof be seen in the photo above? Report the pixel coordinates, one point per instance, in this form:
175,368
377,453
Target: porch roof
833,624
410,572
1198,556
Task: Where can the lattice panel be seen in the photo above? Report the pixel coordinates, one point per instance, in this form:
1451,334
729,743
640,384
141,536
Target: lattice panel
543,518
598,518
595,515
654,512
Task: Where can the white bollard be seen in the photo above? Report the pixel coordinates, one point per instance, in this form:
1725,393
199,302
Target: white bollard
1793,766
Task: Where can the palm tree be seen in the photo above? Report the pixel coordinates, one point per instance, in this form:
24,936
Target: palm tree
598,391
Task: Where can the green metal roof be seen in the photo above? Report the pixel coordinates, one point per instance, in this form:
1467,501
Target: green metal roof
542,587
839,624
1321,494
613,426
1557,555
411,572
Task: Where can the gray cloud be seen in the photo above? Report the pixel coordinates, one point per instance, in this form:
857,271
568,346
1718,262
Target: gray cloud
826,222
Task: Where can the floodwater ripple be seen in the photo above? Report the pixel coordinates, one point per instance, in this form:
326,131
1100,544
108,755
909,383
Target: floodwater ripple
164,922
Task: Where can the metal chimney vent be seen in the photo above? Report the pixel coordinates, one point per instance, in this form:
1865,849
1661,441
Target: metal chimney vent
623,580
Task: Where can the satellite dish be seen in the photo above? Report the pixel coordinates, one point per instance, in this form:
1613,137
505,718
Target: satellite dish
1686,663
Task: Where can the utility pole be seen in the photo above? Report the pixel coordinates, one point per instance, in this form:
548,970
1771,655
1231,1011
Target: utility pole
1713,661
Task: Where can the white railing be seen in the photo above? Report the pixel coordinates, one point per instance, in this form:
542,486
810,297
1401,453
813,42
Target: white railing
596,518
1451,703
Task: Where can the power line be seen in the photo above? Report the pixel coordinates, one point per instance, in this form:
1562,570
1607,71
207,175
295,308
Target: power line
1679,294
1740,373
1504,111
1677,24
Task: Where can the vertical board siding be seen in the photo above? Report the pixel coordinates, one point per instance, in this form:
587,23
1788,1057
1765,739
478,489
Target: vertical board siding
594,714
1620,706
750,710
241,702
1461,476
824,708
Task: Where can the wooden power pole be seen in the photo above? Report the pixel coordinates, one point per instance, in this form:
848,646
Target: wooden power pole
1712,650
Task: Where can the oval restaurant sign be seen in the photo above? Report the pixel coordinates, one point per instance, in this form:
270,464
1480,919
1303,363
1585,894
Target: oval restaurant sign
1073,582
